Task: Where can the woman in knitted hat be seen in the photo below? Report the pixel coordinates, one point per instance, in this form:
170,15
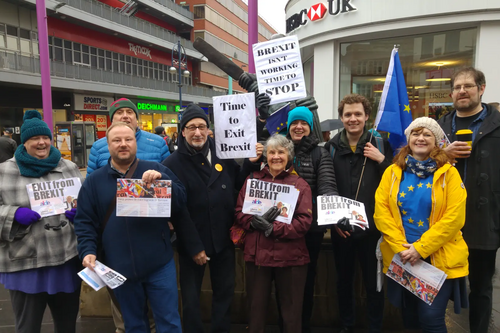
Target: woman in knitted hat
420,209
38,256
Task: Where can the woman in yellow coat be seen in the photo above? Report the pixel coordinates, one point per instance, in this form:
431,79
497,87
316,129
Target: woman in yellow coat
420,209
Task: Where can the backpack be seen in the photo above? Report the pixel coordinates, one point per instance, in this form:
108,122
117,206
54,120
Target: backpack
379,143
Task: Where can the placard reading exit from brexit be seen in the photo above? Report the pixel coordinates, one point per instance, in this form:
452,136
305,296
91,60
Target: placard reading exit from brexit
235,126
279,69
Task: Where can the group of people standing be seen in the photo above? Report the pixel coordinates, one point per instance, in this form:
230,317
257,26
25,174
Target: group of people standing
426,203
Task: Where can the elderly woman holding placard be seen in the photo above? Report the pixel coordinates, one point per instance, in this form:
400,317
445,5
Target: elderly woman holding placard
273,249
38,257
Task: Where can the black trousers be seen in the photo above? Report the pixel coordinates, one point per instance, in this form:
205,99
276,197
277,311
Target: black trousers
29,310
313,243
345,252
222,276
481,270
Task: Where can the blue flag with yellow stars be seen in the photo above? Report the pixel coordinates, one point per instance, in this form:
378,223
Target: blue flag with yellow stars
394,114
278,120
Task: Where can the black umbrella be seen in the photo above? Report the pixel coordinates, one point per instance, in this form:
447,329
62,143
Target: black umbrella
331,124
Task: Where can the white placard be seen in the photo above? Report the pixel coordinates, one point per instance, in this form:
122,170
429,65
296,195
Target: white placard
279,69
332,208
260,196
235,127
54,197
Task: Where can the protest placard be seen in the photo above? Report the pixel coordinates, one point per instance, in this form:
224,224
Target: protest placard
279,69
332,208
235,128
136,198
260,196
55,196
422,279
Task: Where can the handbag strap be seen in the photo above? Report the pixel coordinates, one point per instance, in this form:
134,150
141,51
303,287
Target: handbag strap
112,206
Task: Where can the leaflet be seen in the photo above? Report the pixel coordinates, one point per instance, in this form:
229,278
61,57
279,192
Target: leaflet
101,276
260,196
54,197
136,198
422,279
331,208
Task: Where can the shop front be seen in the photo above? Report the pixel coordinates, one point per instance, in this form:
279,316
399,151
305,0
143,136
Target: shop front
153,113
346,46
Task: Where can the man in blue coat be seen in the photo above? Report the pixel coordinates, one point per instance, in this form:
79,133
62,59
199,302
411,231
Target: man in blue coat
150,147
137,247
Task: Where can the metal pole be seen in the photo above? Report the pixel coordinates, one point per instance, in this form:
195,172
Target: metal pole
43,40
180,66
253,31
230,83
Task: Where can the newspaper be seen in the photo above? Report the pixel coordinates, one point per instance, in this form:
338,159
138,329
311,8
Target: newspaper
137,199
101,276
260,196
332,208
54,197
422,279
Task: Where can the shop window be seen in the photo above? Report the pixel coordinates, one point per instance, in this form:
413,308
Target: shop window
428,61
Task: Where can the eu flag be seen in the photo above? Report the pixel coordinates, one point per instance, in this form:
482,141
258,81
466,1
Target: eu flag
278,120
394,114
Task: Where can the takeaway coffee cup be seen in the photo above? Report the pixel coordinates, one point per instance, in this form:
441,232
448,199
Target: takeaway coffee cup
466,136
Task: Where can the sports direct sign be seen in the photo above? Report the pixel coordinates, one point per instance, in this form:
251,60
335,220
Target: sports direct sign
318,12
92,102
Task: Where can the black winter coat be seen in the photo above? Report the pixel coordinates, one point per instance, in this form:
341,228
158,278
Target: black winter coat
319,174
348,166
482,221
211,190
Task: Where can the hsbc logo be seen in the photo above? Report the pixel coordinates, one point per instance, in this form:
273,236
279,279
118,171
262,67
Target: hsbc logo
317,12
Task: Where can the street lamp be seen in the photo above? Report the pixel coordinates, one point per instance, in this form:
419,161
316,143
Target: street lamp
180,58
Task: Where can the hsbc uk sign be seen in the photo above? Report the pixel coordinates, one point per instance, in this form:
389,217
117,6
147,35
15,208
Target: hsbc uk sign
317,12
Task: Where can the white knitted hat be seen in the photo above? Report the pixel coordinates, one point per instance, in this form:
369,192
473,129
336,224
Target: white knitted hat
428,123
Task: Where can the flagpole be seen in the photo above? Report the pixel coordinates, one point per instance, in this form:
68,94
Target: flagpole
396,46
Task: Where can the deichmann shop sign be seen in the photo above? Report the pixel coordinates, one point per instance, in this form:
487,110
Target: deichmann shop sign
317,12
157,107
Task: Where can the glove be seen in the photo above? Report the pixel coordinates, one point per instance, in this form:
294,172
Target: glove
70,214
246,79
309,102
265,222
26,216
344,225
263,101
272,214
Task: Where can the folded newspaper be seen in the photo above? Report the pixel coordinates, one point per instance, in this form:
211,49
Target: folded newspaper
101,276
331,208
422,279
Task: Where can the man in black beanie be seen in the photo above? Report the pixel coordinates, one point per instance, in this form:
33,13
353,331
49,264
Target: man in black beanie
211,187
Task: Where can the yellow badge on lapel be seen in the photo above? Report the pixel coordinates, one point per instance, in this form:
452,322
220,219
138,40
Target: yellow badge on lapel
218,167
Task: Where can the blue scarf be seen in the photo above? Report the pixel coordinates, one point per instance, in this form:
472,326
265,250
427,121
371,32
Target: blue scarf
30,166
421,169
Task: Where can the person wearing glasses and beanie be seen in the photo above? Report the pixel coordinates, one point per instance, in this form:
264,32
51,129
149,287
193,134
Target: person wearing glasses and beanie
212,185
478,163
38,255
419,210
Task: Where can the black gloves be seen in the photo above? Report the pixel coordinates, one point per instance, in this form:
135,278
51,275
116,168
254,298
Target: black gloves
309,102
265,222
262,104
246,80
344,225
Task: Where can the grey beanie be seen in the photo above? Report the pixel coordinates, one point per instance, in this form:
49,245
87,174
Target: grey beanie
428,123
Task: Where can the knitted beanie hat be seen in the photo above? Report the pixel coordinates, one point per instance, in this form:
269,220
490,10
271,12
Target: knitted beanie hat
428,123
33,125
122,103
193,111
300,113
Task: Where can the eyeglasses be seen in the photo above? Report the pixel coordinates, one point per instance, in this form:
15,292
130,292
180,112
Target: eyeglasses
193,128
467,87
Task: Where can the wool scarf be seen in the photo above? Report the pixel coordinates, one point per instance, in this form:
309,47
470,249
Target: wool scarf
30,166
421,169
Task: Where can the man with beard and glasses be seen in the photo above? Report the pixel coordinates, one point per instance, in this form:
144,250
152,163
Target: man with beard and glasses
479,168
212,185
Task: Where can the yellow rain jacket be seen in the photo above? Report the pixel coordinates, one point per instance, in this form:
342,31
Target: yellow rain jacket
443,242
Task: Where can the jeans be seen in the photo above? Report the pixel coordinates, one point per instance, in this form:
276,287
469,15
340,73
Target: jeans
160,288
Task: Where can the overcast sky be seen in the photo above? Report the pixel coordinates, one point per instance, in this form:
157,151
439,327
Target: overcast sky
273,11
